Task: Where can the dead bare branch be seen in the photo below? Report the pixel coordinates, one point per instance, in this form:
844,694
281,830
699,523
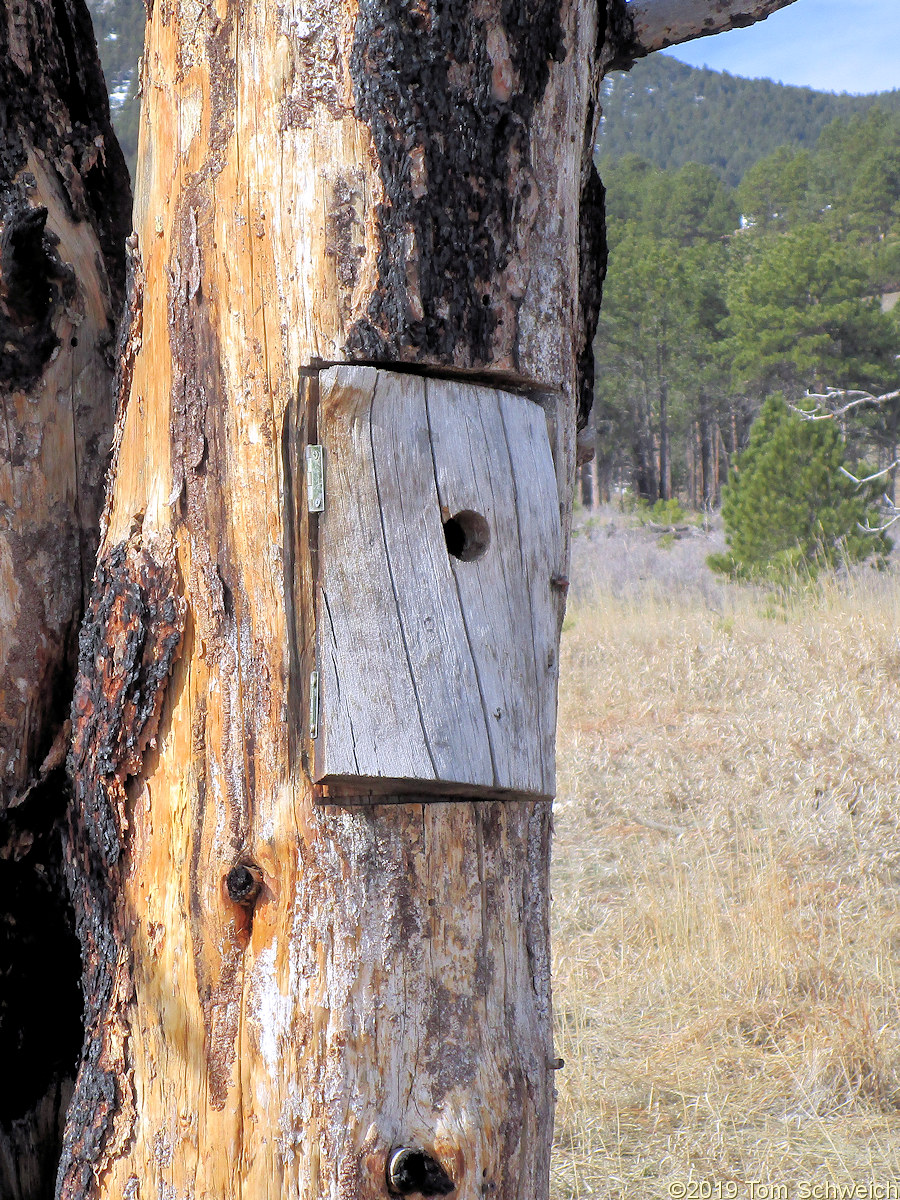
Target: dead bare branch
835,403
881,528
660,23
889,508
829,408
875,475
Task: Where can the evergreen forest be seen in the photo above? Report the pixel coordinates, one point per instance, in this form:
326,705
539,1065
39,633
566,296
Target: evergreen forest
718,296
672,114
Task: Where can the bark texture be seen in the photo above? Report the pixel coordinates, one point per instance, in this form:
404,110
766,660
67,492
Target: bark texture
64,207
281,993
660,23
64,211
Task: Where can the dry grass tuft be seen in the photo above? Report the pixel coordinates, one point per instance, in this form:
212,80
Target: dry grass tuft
726,904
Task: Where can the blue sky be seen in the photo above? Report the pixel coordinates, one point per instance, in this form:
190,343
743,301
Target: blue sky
832,45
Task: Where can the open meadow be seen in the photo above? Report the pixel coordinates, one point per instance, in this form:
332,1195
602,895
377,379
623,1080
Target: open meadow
726,881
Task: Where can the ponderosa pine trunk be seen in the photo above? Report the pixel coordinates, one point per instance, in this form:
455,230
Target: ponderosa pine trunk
284,987
376,183
64,211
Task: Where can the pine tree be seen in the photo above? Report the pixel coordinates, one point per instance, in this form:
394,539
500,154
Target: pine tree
799,315
788,507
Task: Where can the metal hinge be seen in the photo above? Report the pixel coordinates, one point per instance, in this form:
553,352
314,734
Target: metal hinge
315,479
313,704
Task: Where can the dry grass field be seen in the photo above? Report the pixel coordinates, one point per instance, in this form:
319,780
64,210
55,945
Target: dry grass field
726,880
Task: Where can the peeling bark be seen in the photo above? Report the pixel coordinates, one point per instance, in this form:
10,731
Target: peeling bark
64,204
129,641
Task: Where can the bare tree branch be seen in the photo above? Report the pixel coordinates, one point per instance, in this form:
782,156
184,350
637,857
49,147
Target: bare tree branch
869,478
828,403
661,23
834,403
892,520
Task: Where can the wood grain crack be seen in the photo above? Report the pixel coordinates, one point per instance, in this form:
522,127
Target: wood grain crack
390,567
462,610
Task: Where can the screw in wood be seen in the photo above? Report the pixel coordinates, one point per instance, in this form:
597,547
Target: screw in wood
243,883
413,1172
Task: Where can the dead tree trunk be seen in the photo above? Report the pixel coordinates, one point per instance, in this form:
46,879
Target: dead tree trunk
309,986
64,208
312,752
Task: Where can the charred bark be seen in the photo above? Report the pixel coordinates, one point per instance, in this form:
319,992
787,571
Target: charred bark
64,209
129,641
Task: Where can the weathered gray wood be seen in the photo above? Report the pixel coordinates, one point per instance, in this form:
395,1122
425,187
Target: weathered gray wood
436,652
357,637
437,675
474,470
661,23
536,513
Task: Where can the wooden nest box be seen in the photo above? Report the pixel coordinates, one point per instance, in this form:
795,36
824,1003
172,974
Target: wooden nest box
436,620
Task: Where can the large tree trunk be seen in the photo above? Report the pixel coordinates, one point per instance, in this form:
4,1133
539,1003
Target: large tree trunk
64,209
300,977
306,987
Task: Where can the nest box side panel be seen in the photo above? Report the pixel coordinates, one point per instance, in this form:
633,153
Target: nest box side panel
492,455
436,649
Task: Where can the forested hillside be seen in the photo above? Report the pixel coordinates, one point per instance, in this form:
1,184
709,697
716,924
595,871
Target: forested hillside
662,110
672,114
717,297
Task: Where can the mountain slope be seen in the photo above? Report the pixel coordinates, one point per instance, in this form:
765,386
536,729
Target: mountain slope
671,114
